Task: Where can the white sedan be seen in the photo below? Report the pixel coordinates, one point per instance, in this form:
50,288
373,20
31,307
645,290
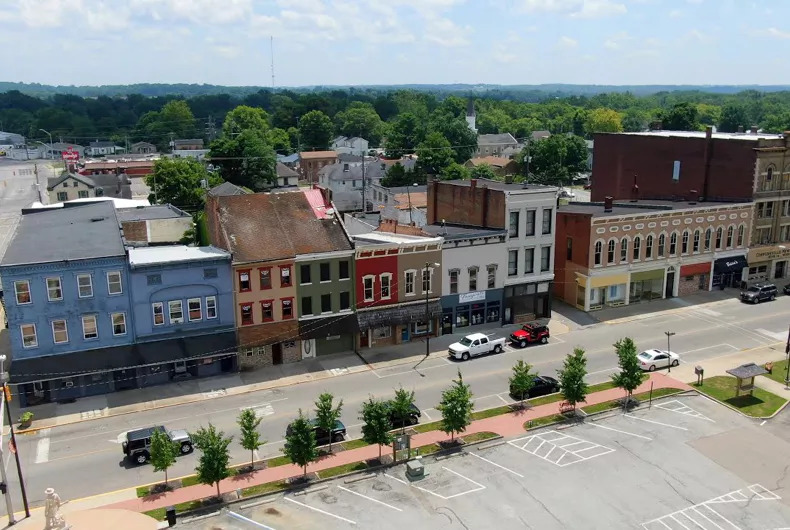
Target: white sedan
651,359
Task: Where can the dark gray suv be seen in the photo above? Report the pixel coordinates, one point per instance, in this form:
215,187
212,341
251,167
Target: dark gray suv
759,292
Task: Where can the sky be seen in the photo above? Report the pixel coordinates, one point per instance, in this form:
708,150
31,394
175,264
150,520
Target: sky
378,42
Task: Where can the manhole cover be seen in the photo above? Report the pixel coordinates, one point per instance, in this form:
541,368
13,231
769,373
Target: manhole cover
382,486
327,498
273,511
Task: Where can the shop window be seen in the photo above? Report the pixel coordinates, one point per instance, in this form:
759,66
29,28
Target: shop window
649,247
624,249
478,314
695,246
462,316
383,332
492,312
421,327
637,247
610,251
730,235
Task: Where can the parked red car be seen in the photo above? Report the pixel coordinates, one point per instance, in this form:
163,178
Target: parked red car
530,333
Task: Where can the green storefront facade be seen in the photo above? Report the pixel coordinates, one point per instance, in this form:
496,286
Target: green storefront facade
646,285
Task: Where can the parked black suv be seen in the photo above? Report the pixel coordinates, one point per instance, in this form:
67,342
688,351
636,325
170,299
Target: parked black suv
412,419
322,437
137,446
759,292
543,385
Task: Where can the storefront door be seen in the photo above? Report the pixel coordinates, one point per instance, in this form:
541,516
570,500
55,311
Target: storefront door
779,272
670,284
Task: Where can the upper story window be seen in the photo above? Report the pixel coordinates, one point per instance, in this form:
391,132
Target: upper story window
649,247
176,311
473,278
696,240
386,286
637,248
244,281
326,303
325,272
547,221
307,305
610,251
719,235
85,285
54,289
730,235
529,260
29,337
767,180
265,277
426,280
684,242
512,262
454,280
598,252
118,323
708,236
545,259
662,239
209,274
60,332
267,310
530,225
673,243
345,300
513,228
285,276
89,328
491,276
408,283
367,288
246,314
304,272
194,309
624,249
114,285
158,311
287,307
765,210
741,230
344,273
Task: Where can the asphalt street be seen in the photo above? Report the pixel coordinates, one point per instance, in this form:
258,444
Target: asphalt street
86,459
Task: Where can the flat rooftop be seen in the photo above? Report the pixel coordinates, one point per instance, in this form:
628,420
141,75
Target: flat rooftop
596,209
746,136
140,257
388,238
501,186
146,213
458,232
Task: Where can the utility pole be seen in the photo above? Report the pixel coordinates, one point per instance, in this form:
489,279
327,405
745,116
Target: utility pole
211,131
271,48
364,202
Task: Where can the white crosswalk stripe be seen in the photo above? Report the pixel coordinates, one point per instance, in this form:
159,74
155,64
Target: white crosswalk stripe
560,449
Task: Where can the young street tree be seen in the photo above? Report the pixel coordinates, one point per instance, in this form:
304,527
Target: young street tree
401,407
522,381
630,375
574,370
163,451
301,447
377,426
213,465
456,407
327,414
250,437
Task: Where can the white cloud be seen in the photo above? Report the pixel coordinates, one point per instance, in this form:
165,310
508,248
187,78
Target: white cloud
599,8
49,13
575,8
566,43
775,33
445,32
615,42
697,35
675,13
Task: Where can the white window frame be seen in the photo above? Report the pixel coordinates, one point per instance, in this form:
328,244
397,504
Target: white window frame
200,309
410,276
65,329
429,279
388,283
372,279
120,283
161,307
95,326
213,305
636,248
90,284
472,272
545,250
59,288
453,276
16,292
112,323
179,320
34,335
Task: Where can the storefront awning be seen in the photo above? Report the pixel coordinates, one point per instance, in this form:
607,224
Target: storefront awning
401,314
731,264
321,328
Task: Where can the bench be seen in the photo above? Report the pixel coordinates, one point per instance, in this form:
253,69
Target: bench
566,407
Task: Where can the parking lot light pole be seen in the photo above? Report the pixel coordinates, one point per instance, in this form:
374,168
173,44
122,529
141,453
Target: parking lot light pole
669,350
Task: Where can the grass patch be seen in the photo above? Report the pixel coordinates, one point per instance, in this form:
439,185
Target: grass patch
602,386
143,491
600,407
722,388
498,411
260,489
191,480
159,513
479,436
779,372
427,427
342,470
354,444
278,461
427,449
545,400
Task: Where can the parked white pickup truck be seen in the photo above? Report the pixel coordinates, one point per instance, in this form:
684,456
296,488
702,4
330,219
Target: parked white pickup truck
474,345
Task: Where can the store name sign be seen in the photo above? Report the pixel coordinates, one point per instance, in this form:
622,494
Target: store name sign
768,253
474,296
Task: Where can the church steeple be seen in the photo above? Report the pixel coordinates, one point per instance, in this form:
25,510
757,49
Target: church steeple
470,114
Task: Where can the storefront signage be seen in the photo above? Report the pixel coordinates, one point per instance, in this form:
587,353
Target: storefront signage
474,296
768,253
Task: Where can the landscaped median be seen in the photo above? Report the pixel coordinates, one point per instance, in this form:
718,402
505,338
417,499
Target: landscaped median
759,404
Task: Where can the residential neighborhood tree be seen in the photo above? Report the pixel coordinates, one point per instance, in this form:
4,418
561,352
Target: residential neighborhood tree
213,465
359,119
406,133
315,131
244,118
571,377
163,451
376,428
327,413
300,444
732,116
434,154
245,159
178,181
630,375
401,406
602,120
554,160
482,171
681,117
522,381
250,437
456,407
456,171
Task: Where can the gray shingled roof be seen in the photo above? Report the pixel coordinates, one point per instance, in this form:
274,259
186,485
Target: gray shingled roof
373,169
65,234
55,181
226,189
746,371
496,139
284,171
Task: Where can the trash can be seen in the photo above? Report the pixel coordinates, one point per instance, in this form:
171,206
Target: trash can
170,514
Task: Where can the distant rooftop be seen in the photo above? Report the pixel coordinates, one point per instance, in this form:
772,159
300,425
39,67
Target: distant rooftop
747,136
118,203
82,232
227,189
140,257
638,207
459,232
499,185
145,213
306,155
388,238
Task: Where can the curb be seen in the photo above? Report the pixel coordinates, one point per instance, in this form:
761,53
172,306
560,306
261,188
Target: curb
780,409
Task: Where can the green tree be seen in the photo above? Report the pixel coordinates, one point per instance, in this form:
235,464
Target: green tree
602,120
213,465
327,413
554,160
434,154
359,119
405,134
401,406
681,117
522,380
456,407
482,171
733,116
376,428
630,375
280,141
634,120
163,451
315,131
300,444
245,159
571,377
462,139
708,114
178,181
250,437
456,171
244,118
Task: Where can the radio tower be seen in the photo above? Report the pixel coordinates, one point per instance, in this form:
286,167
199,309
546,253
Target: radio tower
271,47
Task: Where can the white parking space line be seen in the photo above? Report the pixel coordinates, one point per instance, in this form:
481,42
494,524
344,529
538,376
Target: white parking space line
370,498
42,451
565,455
618,430
656,422
396,479
681,408
479,486
248,520
320,511
678,521
497,465
713,346
505,401
425,413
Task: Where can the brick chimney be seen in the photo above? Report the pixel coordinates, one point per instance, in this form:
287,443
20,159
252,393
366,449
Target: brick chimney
473,184
693,196
753,129
740,128
607,203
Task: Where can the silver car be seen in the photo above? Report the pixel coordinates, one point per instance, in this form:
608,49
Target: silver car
649,360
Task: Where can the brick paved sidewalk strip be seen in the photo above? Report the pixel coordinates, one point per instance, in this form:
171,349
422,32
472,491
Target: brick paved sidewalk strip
506,425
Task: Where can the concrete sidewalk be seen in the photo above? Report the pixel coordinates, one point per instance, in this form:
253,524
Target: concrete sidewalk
506,425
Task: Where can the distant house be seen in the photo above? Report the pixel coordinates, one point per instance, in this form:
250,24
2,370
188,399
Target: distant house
344,180
286,176
353,146
226,189
56,150
8,138
502,167
539,135
143,148
189,148
494,144
404,204
310,162
289,160
103,148
70,186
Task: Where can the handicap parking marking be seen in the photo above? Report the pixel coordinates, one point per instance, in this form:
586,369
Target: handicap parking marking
349,521
681,408
704,516
560,449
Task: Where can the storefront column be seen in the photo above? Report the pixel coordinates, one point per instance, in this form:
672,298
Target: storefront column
628,290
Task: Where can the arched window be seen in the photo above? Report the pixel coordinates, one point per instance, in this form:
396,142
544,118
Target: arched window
637,247
649,247
730,233
661,243
696,240
624,249
598,251
719,233
673,244
741,230
684,243
610,253
708,236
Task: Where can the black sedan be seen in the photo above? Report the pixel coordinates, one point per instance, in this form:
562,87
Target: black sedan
412,419
786,289
543,385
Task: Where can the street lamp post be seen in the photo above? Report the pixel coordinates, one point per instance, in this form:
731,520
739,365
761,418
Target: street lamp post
669,350
6,492
787,351
426,282
51,154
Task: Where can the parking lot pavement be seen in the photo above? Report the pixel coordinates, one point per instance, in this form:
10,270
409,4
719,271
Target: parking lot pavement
659,467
